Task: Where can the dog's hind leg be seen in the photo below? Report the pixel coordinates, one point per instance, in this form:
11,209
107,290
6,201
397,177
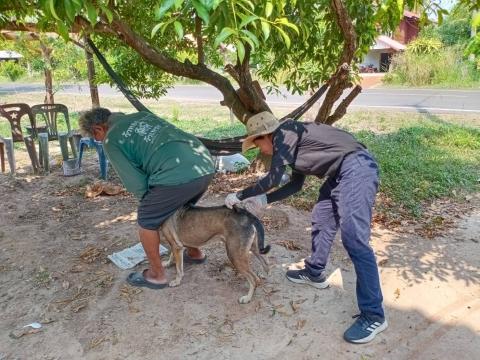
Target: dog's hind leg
170,261
262,259
240,260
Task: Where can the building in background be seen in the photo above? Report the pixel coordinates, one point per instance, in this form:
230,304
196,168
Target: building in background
9,55
380,54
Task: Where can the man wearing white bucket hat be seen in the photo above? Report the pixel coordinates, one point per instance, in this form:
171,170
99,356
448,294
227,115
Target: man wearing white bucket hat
345,202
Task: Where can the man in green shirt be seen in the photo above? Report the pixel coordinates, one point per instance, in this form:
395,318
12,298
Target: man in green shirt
163,166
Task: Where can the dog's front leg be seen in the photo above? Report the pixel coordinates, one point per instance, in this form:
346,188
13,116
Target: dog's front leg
178,254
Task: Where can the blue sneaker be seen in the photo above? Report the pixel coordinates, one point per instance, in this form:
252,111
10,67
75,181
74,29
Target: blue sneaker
364,329
302,276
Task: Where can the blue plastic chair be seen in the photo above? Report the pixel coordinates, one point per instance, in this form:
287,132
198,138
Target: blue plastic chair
102,159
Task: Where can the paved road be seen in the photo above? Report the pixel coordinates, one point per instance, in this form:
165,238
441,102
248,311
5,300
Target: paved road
423,100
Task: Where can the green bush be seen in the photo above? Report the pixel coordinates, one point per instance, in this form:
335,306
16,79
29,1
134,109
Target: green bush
454,32
424,46
425,67
12,70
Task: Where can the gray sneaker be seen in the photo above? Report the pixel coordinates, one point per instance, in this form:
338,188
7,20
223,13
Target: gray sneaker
364,329
302,276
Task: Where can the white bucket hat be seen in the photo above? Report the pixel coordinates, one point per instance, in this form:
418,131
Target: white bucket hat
259,124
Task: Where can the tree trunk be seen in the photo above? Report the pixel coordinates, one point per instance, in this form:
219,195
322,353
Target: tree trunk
48,87
91,76
46,53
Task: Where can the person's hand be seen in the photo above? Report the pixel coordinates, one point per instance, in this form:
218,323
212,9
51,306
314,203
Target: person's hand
231,200
255,203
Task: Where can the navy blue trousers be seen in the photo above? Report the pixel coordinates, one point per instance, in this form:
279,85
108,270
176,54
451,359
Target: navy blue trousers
345,202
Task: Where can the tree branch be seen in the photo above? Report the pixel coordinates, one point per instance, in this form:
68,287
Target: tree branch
342,107
187,69
78,25
198,35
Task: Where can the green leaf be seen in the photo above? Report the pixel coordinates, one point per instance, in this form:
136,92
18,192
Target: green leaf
224,34
247,20
240,50
162,9
208,4
252,37
476,20
201,11
178,4
108,13
155,29
91,13
248,3
268,9
69,10
51,4
164,26
216,3
285,22
265,29
63,30
249,41
178,29
286,38
77,5
440,17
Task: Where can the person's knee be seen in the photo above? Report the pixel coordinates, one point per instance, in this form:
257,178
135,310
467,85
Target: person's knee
355,243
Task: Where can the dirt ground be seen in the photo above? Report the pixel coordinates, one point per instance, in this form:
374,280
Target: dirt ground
54,270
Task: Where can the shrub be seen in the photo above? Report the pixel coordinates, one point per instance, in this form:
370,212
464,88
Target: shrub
424,46
12,70
444,66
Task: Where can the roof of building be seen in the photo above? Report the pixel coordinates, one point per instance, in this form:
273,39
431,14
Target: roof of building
9,54
385,42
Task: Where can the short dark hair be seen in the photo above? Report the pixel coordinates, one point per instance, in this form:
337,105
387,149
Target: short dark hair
97,116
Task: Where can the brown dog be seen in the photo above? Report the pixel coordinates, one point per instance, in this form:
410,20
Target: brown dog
240,230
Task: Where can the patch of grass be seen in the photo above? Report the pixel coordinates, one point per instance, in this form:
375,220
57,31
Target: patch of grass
421,156
42,278
443,68
418,164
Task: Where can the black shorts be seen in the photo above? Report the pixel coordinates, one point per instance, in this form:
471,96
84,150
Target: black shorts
160,202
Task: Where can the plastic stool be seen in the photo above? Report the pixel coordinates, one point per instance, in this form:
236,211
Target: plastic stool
102,159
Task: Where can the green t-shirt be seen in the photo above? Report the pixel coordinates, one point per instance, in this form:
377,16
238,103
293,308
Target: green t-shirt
146,151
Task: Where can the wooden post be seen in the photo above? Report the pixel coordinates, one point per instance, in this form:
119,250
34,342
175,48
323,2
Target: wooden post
11,157
43,145
63,140
32,152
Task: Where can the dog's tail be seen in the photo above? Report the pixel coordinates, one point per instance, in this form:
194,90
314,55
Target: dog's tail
258,226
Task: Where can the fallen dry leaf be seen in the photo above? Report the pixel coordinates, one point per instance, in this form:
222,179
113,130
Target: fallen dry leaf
383,262
296,304
301,323
90,254
16,334
101,187
289,245
128,292
397,293
97,341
